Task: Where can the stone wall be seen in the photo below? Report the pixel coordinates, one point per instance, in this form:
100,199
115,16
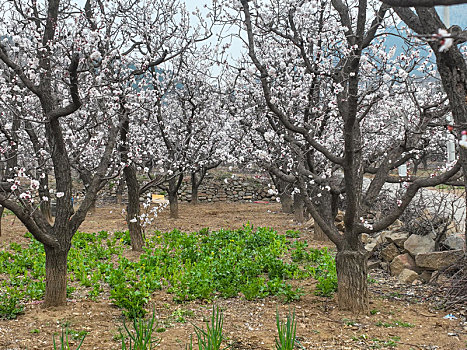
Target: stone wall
217,188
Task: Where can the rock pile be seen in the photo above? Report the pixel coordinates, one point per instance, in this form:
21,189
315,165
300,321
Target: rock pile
412,257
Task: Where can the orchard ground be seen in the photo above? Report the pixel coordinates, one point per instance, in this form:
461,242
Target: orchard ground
401,316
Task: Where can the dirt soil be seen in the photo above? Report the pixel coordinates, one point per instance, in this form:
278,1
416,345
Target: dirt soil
247,324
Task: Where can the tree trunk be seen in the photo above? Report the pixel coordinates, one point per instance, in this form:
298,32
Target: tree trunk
1,217
46,210
55,272
119,191
299,208
173,197
133,208
194,189
286,202
173,201
319,234
352,273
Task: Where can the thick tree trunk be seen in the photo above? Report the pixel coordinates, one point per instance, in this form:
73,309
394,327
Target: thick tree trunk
352,281
173,202
174,185
194,189
133,208
286,202
55,272
299,207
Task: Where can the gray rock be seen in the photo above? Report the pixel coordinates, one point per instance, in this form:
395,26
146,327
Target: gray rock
455,242
370,247
416,244
398,238
407,276
389,252
401,262
438,260
425,276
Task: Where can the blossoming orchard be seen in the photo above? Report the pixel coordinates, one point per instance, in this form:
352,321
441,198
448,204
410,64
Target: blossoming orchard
146,93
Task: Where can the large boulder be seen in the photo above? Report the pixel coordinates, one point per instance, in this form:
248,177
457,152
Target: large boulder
407,276
401,262
389,252
438,260
398,238
416,244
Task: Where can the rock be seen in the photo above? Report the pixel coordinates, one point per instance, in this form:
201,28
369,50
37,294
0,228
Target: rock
416,244
339,216
370,247
384,266
389,252
365,238
438,260
455,242
310,224
373,264
396,226
381,237
416,283
401,262
398,238
407,276
425,276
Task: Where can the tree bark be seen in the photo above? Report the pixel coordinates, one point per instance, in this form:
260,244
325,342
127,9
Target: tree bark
119,191
46,210
194,189
299,207
286,202
352,272
319,234
133,208
173,202
55,272
1,218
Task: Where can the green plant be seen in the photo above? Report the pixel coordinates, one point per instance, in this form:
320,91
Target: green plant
9,304
64,341
286,332
211,338
140,337
180,314
395,324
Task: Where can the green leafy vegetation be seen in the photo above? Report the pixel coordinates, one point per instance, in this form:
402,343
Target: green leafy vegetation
395,323
200,265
